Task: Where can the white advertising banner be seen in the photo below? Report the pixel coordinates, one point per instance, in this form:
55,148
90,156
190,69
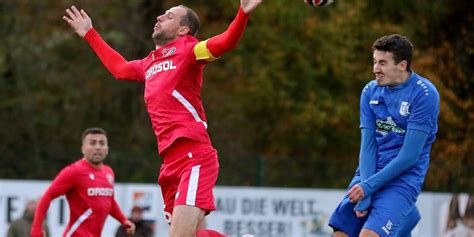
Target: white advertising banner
262,212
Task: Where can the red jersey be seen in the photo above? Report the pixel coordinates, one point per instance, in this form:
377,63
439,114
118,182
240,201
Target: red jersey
90,195
173,79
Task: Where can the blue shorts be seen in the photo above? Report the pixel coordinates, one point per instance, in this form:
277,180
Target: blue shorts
388,210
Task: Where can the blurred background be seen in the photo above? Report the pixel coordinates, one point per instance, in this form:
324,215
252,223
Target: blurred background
283,107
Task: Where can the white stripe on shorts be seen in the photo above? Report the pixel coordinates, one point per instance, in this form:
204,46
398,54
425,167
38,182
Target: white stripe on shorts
193,186
78,222
188,106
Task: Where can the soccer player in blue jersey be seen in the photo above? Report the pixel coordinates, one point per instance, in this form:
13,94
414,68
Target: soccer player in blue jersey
398,121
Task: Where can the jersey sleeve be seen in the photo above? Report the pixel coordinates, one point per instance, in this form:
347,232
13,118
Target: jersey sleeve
367,116
211,49
117,213
367,162
425,111
112,60
63,182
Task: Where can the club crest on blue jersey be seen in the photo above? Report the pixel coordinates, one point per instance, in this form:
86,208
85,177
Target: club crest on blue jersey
404,109
384,127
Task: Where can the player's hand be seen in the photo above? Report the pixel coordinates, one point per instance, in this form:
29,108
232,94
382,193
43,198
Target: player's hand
356,193
78,20
130,227
249,5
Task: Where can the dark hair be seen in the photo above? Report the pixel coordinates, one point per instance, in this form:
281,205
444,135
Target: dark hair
400,46
191,20
94,130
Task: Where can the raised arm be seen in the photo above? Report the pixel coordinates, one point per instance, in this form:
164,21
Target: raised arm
120,68
218,45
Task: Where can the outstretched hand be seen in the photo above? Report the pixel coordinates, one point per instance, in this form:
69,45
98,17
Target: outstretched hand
249,5
78,20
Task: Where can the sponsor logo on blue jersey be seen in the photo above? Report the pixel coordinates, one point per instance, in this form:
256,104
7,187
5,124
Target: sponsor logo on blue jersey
384,127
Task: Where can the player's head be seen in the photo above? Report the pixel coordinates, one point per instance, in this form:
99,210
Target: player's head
94,145
392,59
191,20
175,22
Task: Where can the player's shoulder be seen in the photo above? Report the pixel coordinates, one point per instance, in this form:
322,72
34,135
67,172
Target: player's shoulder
423,87
72,168
107,169
183,43
370,86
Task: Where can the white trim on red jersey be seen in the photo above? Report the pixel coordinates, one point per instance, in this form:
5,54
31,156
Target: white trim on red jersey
193,186
188,106
79,221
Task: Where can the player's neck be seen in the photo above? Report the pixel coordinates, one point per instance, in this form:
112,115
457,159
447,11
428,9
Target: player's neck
161,43
96,165
405,76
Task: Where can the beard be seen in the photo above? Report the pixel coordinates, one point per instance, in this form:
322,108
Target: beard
162,38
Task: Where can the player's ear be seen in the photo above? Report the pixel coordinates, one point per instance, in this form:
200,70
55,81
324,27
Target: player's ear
403,65
183,30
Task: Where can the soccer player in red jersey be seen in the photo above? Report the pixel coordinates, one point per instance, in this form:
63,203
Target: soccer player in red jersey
172,74
89,188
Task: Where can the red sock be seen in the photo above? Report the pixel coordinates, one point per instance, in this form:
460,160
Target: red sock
209,233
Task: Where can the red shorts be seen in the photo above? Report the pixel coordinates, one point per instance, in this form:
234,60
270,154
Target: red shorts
188,175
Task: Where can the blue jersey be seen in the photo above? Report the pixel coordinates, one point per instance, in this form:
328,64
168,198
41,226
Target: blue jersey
391,111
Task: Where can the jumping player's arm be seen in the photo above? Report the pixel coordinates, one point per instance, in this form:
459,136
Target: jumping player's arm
63,182
120,68
216,46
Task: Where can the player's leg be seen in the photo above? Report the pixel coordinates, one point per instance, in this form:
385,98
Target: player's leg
409,224
185,221
195,198
203,224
